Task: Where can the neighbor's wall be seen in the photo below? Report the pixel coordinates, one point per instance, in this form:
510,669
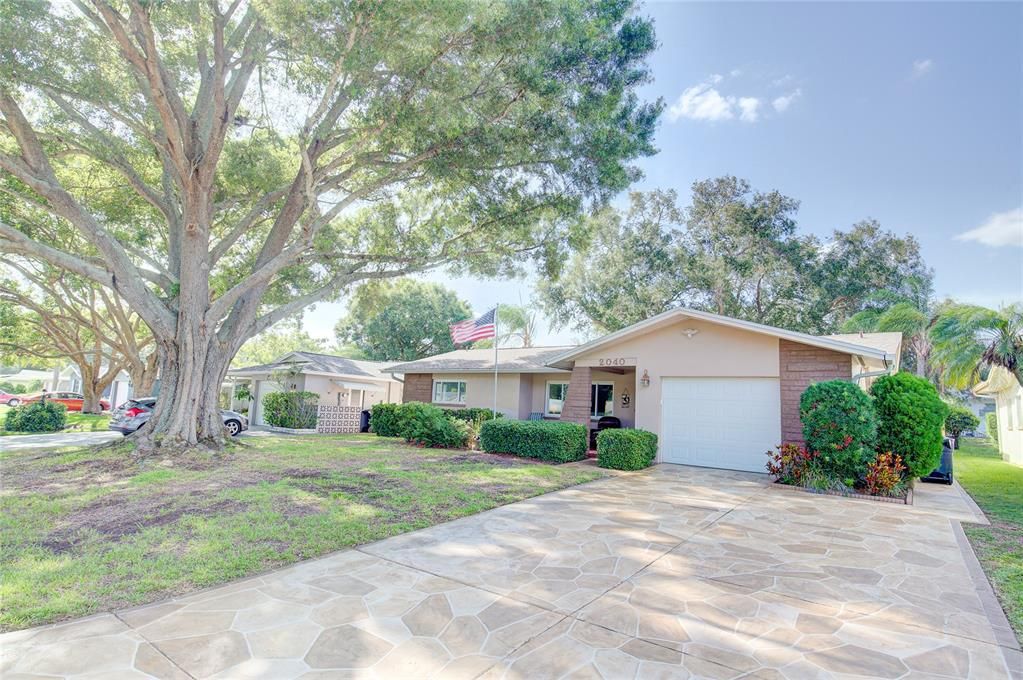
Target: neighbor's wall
1009,407
801,366
332,394
665,352
418,387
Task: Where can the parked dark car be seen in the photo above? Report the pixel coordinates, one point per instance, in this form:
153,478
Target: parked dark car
9,399
135,412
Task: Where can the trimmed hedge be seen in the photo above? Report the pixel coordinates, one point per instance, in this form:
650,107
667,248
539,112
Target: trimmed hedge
839,425
296,410
626,449
39,416
910,416
471,415
383,420
552,441
960,419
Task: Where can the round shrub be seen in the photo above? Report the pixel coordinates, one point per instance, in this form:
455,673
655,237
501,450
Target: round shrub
39,416
295,410
383,420
426,425
960,419
910,415
626,449
991,425
554,441
839,426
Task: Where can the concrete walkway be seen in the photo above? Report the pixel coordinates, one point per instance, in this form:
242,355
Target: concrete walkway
20,442
671,572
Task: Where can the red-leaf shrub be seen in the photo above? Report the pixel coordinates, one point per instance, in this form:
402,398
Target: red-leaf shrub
790,464
884,474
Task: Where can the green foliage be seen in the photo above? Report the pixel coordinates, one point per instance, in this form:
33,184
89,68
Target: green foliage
734,251
423,424
273,344
471,414
383,420
991,425
968,339
557,442
621,449
426,425
17,388
39,416
242,392
839,426
401,320
884,475
910,415
296,410
960,419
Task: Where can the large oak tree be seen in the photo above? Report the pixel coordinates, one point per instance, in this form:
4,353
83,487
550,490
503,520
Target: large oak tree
285,151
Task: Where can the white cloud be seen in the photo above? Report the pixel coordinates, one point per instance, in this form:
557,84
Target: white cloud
781,104
701,102
735,72
1001,229
748,106
922,67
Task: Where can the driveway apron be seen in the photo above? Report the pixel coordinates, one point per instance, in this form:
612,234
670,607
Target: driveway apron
673,572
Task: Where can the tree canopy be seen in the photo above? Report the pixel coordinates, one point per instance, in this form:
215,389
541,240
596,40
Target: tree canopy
732,251
287,336
280,153
401,320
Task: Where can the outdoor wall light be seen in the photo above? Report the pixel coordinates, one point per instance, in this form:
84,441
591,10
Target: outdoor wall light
645,380
690,332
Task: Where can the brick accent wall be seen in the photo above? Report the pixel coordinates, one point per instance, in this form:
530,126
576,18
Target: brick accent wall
418,387
576,408
800,366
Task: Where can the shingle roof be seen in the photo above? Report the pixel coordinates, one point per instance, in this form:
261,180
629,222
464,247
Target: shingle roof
886,342
314,362
509,360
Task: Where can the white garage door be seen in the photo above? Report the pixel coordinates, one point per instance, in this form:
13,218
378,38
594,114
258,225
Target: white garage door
720,422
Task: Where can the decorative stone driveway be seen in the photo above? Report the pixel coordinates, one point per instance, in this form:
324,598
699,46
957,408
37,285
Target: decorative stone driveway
673,572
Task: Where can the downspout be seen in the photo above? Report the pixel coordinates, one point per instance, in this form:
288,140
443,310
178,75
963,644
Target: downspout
873,374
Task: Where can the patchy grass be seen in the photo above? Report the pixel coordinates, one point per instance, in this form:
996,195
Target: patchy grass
997,487
76,422
91,530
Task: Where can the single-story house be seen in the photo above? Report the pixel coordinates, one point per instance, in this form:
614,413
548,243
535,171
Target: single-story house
1005,388
69,379
718,392
337,380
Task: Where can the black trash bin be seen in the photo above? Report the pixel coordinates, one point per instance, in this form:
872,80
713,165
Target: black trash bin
943,473
605,423
364,421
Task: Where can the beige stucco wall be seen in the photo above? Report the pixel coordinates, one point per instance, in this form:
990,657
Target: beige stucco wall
333,394
1009,407
714,351
479,391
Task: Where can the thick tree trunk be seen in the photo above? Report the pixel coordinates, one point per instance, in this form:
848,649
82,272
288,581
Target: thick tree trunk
93,387
143,373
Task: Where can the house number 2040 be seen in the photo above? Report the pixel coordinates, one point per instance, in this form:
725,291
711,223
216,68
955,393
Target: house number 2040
619,361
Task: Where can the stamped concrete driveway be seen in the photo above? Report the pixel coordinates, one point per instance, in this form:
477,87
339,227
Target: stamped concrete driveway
673,572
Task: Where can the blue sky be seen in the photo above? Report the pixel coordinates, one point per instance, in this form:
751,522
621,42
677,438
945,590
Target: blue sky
909,113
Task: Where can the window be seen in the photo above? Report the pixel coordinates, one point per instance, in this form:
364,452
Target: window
602,399
556,393
449,392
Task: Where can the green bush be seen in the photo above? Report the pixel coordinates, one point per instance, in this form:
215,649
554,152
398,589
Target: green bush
910,415
553,441
626,449
296,410
471,415
383,420
39,416
839,426
991,424
426,425
959,420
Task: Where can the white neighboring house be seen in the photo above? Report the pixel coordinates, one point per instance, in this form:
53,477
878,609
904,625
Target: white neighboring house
69,379
1008,394
338,382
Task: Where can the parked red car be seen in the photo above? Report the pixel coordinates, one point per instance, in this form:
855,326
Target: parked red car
72,400
10,399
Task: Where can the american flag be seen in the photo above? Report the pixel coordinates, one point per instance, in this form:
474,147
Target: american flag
475,329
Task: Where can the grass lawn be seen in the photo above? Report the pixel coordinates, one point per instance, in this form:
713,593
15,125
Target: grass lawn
998,489
76,422
87,530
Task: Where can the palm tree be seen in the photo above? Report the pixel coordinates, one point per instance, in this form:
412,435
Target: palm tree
902,317
968,338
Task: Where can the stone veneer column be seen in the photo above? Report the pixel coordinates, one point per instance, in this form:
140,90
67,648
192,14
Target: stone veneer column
576,408
418,387
799,367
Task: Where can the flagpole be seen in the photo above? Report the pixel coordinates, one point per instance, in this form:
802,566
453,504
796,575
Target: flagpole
496,338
